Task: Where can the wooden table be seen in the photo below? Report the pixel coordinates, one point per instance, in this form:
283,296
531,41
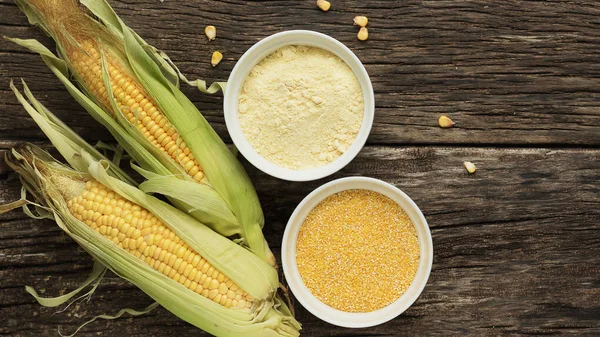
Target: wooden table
517,244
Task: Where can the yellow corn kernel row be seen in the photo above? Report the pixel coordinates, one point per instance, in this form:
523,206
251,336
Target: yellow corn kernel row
134,104
145,236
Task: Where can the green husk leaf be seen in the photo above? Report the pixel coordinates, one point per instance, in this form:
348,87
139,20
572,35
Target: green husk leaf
41,212
195,198
117,150
64,139
12,205
198,83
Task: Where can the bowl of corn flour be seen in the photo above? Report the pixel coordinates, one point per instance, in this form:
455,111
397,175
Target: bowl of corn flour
299,105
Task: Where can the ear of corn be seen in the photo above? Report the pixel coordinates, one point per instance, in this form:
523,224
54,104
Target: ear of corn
163,251
132,90
60,68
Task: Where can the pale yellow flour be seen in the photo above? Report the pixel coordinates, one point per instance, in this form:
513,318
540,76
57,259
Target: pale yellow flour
301,107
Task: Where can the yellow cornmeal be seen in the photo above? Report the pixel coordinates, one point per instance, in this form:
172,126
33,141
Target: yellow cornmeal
357,251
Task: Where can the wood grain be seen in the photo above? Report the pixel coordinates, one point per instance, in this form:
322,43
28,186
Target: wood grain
515,72
516,248
516,244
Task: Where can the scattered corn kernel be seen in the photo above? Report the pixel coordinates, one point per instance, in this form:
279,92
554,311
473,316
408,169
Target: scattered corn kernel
361,21
216,58
211,32
357,251
363,33
471,168
445,122
324,5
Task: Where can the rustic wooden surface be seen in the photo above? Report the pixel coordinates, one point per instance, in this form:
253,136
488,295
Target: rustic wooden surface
517,244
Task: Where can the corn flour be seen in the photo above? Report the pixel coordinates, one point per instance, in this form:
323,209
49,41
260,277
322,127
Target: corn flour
301,107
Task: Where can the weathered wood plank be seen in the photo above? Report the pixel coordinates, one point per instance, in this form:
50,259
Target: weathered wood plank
516,248
515,72
516,244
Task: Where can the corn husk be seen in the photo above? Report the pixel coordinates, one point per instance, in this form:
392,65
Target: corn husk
64,139
226,178
37,168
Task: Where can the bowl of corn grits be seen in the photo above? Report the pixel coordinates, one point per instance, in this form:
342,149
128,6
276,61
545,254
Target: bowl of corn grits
299,105
357,252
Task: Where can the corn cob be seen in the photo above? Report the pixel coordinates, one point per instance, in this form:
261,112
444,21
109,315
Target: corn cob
80,43
133,102
141,233
198,275
126,87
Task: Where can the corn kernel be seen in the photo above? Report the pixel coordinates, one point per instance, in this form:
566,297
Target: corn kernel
187,269
177,263
361,21
193,286
207,281
445,122
363,34
212,293
193,273
216,58
211,32
172,259
324,5
471,168
223,288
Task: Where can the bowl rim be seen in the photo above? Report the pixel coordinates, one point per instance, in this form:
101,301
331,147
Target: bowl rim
338,317
252,57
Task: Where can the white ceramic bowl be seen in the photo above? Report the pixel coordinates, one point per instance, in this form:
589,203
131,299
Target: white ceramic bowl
320,309
253,56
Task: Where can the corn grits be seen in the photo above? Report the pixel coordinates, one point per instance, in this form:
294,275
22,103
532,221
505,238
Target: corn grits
357,251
